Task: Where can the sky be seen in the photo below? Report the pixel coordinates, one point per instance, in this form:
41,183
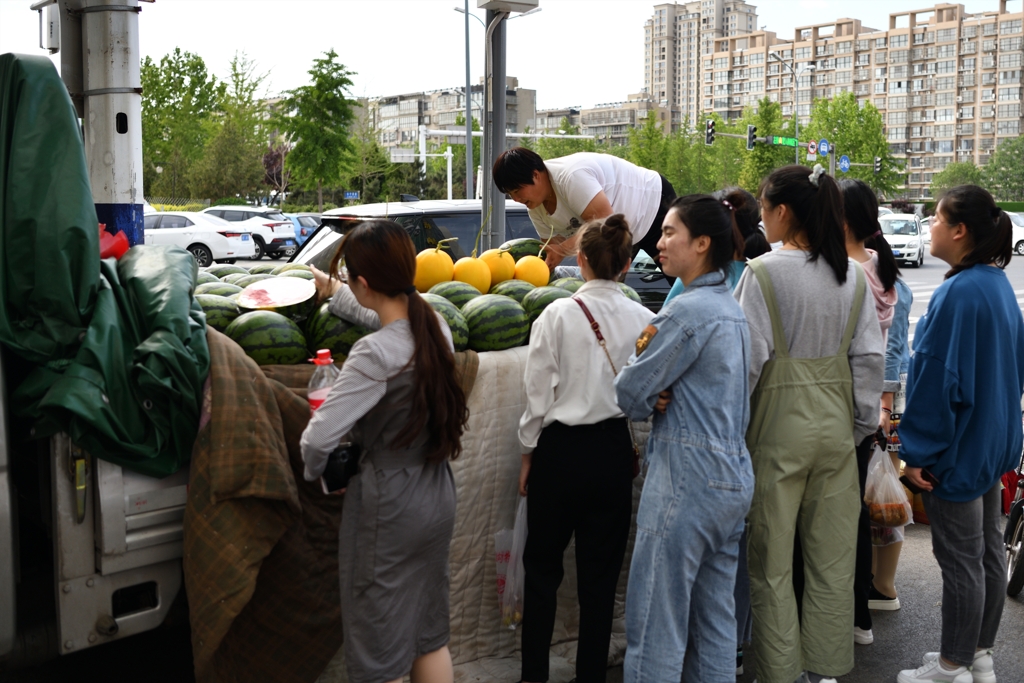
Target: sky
572,52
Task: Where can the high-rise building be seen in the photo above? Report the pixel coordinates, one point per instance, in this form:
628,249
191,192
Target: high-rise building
675,38
947,83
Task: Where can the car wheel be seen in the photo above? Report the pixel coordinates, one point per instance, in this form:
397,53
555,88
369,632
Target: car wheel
920,259
261,248
1014,563
1019,248
276,255
202,255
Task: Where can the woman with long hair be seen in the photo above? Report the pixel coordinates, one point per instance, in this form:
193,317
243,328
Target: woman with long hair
577,466
960,430
816,377
399,395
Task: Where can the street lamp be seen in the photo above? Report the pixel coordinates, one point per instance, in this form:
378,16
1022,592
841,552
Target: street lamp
796,95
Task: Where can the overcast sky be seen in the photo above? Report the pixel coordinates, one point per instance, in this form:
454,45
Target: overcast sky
573,52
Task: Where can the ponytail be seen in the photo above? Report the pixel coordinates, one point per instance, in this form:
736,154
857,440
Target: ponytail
989,226
860,209
814,199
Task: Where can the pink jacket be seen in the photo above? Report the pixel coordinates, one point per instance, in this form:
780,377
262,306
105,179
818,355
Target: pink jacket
885,302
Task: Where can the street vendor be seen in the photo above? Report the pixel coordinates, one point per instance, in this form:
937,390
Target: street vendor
564,193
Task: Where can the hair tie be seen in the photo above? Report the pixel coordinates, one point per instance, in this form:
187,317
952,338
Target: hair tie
996,213
816,173
410,290
726,204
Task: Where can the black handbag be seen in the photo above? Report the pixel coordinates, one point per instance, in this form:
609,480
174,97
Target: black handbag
342,465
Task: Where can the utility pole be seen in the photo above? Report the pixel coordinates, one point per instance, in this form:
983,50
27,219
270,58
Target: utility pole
494,130
469,116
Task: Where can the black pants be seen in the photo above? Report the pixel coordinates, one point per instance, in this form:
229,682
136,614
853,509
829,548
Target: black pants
581,481
649,242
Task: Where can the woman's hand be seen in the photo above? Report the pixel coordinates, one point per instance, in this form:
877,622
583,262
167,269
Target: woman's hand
556,250
664,398
884,421
325,286
914,475
524,473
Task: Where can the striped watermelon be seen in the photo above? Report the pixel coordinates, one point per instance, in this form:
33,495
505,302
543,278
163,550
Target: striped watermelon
233,278
203,277
247,280
456,292
516,289
569,284
219,270
324,330
536,301
630,292
269,338
292,297
218,288
220,311
525,246
495,323
304,274
263,268
284,268
456,321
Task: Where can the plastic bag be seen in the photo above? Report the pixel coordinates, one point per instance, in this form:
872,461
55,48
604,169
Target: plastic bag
887,502
502,550
515,577
886,535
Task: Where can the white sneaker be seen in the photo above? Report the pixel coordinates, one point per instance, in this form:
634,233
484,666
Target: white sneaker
982,669
932,672
863,636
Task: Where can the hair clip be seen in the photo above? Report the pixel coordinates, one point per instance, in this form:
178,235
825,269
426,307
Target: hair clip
726,204
815,174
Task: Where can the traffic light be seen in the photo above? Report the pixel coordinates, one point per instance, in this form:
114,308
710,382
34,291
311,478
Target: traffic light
878,165
751,136
709,132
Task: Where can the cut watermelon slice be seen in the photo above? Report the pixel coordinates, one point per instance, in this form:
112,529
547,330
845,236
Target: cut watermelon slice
292,297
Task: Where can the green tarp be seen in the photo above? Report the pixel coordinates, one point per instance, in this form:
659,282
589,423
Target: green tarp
119,347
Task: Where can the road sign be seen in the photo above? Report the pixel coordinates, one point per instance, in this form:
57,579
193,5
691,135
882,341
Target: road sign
844,164
351,194
812,148
824,148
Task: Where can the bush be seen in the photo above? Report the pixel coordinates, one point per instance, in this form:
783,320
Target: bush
901,206
231,201
1013,207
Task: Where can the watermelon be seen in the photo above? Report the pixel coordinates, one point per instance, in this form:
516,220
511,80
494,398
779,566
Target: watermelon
220,310
263,268
526,246
495,323
292,297
219,270
205,277
304,274
456,321
569,284
290,266
233,278
234,297
456,292
630,292
218,288
269,338
247,280
324,330
516,289
536,301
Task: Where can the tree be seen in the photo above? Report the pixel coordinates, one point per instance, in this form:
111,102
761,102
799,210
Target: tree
274,172
552,148
179,99
957,173
437,167
764,158
648,146
369,167
316,117
1004,173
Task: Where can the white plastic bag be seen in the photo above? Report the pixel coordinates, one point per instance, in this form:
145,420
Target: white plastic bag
886,535
515,577
885,496
502,550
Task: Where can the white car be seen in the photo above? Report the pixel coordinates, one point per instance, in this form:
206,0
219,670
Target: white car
883,211
903,233
207,238
1018,232
272,231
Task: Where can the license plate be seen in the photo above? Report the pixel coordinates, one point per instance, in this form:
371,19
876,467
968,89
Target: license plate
289,242
895,252
245,238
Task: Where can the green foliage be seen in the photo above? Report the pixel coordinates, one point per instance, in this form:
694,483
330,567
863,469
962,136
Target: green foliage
957,173
552,148
763,159
436,180
1004,173
369,164
231,201
648,146
1015,207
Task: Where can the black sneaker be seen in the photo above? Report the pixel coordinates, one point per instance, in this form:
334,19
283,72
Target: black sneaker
739,661
877,601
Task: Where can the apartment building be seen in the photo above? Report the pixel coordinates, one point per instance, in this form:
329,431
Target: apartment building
550,120
398,117
611,122
948,83
675,38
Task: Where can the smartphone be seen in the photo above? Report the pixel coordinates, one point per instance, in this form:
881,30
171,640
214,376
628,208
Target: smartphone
342,465
914,488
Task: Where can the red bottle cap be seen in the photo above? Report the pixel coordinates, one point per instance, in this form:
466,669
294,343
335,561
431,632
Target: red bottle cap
323,357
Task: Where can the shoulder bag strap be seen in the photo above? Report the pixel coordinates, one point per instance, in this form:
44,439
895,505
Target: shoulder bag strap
858,300
768,292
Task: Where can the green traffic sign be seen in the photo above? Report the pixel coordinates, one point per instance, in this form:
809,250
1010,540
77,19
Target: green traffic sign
785,142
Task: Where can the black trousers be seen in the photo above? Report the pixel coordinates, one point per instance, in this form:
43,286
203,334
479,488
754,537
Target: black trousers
581,481
649,242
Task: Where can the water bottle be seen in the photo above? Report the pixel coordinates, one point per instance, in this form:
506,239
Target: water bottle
323,378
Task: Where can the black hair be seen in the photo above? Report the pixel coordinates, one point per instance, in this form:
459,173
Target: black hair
756,245
745,209
702,214
608,245
817,212
515,167
860,208
990,227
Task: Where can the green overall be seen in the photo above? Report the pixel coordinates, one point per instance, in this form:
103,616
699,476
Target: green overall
805,477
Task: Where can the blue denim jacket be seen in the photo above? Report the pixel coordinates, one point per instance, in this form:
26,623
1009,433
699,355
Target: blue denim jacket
897,350
699,348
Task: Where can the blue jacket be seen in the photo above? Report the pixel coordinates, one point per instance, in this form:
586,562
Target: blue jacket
897,350
733,274
963,415
698,346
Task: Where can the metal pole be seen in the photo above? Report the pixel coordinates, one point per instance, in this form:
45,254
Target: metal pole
796,109
448,157
423,148
469,116
112,113
495,232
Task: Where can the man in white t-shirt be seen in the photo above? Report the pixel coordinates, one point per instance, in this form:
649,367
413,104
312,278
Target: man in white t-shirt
564,193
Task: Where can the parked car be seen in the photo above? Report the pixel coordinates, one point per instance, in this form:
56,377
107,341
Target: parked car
903,233
208,238
272,232
429,221
1018,232
305,225
883,211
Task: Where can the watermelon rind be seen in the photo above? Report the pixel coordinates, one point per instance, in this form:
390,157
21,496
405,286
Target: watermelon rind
284,268
630,292
516,289
324,330
536,301
495,323
221,269
453,316
524,246
218,288
570,284
269,338
292,297
203,277
459,293
264,268
244,282
304,274
220,311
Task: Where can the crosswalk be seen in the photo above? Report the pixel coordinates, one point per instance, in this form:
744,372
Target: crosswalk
923,294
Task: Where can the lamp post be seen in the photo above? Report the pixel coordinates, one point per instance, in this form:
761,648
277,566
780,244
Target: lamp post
796,96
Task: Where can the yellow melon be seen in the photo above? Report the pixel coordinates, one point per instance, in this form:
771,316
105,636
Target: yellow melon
501,263
475,272
432,267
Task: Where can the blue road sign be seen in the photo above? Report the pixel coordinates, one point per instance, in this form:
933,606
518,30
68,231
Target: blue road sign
844,164
351,194
824,148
